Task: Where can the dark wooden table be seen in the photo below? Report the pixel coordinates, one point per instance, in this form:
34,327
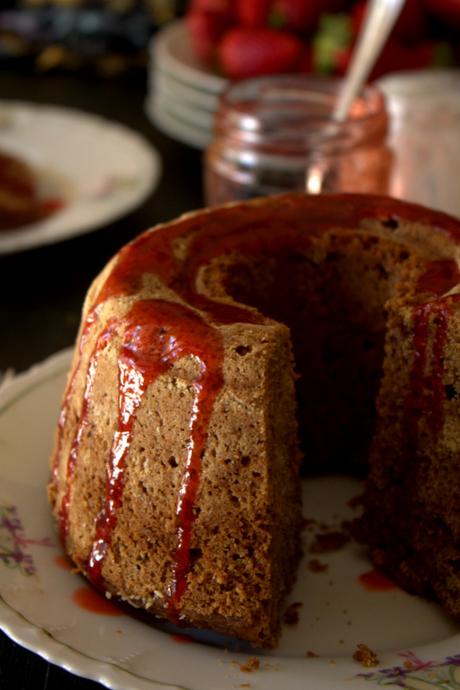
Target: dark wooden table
41,290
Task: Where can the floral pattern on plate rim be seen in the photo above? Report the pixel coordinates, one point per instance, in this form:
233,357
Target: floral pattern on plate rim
416,674
14,543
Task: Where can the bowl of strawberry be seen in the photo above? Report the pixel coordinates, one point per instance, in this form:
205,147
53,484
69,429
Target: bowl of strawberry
239,39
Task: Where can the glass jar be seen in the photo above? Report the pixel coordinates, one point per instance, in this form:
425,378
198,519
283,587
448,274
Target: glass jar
424,108
275,134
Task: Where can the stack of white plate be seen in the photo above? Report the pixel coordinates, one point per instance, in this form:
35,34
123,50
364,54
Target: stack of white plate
183,94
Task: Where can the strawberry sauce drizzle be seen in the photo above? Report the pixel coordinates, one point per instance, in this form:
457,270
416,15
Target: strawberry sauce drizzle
439,277
158,333
427,391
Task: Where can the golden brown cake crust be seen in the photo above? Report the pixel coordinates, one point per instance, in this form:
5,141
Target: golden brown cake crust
175,470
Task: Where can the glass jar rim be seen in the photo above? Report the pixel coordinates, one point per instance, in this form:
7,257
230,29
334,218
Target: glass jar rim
314,96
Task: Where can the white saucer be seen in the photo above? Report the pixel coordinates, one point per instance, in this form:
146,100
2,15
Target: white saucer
51,610
168,85
189,114
99,168
171,51
167,119
183,94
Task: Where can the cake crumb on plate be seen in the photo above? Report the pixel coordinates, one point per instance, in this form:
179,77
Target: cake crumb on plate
291,615
252,664
365,656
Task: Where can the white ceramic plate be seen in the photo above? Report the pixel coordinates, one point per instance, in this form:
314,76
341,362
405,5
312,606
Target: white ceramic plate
41,602
186,113
167,85
169,120
172,51
100,168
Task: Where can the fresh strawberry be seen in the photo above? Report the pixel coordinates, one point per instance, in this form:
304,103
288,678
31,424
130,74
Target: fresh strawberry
245,52
252,12
341,59
205,30
411,24
448,11
306,64
333,39
219,6
397,56
357,16
301,15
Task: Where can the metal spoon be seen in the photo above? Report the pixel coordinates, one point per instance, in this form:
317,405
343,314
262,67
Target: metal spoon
379,20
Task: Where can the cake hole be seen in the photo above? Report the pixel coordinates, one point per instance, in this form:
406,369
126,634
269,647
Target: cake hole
329,356
172,461
391,223
245,460
256,474
227,461
243,350
368,344
450,391
195,554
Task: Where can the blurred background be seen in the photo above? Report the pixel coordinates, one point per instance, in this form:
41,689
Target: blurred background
106,110
229,36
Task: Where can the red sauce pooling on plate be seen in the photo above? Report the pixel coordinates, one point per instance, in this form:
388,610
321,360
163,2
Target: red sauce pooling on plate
20,204
63,562
182,639
90,600
374,581
50,206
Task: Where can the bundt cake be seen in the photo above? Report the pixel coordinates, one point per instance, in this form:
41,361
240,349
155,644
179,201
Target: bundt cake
20,201
175,474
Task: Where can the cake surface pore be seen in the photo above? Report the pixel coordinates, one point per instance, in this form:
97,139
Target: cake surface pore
175,470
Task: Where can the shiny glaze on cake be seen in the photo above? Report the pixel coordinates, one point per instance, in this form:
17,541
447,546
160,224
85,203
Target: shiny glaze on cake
157,332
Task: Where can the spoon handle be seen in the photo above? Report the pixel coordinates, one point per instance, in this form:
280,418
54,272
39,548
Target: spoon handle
379,20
